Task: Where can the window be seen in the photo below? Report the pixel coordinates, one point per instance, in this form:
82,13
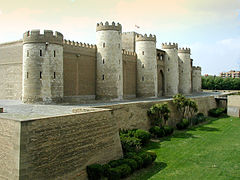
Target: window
103,77
103,61
119,45
168,69
161,57
143,53
27,53
142,65
27,75
54,53
119,77
143,78
168,58
40,74
104,45
119,61
54,75
40,52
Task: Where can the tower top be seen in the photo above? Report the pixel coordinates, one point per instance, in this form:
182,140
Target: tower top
184,50
170,45
107,26
34,36
140,37
198,68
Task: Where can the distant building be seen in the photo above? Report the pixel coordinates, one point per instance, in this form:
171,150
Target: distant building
232,74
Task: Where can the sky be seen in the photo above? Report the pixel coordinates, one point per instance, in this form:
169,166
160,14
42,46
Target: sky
211,28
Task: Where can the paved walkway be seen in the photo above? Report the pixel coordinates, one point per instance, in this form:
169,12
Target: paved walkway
15,109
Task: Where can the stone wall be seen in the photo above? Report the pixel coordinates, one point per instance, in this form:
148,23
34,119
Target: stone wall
129,75
9,149
11,70
233,105
79,66
128,41
62,147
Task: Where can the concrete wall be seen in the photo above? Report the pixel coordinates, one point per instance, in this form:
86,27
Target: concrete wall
9,149
79,68
233,105
11,70
129,75
62,147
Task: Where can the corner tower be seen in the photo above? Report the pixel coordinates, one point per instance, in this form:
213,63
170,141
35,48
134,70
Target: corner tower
171,68
185,70
42,67
109,82
196,79
146,66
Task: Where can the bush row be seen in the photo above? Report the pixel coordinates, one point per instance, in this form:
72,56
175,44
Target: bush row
121,168
217,112
158,132
199,118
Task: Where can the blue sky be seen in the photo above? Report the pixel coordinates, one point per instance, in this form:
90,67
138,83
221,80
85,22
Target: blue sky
211,28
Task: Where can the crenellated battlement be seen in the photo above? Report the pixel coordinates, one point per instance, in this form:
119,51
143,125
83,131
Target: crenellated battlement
184,50
129,53
77,44
34,36
197,68
170,45
140,37
107,26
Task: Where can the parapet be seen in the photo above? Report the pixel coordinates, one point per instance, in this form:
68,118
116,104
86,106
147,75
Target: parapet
107,26
184,50
34,36
198,68
77,44
140,37
129,53
169,45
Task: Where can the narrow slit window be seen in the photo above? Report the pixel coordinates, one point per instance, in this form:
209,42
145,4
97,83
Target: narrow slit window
104,45
161,57
54,53
103,61
27,75
168,69
143,53
40,74
119,61
40,52
142,65
119,77
119,45
27,53
143,78
54,75
103,77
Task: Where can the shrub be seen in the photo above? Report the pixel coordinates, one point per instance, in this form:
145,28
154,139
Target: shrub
156,131
183,124
199,118
216,112
129,143
158,114
113,174
94,171
137,158
115,163
124,170
144,136
147,159
168,130
106,168
131,163
153,155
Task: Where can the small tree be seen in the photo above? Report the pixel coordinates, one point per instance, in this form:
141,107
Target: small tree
159,114
187,107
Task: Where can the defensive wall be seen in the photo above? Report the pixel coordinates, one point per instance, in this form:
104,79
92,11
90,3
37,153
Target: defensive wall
61,147
233,105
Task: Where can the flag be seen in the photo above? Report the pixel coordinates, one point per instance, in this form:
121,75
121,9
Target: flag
137,26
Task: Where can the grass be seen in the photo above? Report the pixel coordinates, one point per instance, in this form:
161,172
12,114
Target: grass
210,151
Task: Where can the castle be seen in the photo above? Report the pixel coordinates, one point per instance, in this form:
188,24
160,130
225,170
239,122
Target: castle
47,68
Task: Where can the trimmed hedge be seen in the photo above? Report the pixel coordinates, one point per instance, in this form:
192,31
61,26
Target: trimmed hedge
95,171
144,136
183,124
216,112
168,130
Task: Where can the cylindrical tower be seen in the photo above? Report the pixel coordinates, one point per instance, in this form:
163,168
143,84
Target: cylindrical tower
196,79
146,66
185,70
42,67
109,82
171,68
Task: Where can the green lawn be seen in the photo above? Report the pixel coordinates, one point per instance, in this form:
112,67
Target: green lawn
210,151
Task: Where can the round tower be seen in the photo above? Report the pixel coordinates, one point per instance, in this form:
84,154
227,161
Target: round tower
196,79
171,68
146,66
185,69
42,67
109,82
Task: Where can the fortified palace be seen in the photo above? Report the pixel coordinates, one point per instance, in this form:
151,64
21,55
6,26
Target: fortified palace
46,68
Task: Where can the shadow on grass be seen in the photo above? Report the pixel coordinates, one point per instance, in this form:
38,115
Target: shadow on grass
204,128
148,172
